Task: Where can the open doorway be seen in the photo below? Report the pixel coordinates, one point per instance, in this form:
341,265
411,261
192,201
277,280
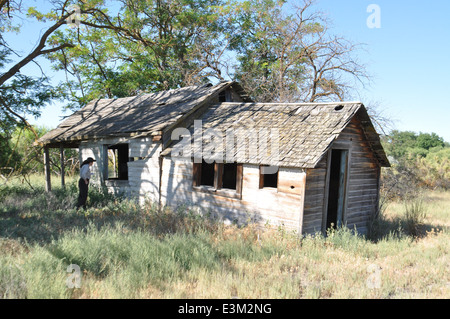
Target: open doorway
336,188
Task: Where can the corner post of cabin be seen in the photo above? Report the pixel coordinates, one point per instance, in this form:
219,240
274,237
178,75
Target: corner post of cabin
48,182
377,204
61,154
302,201
160,162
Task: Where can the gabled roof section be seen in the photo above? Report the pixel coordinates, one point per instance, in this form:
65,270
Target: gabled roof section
372,137
142,114
306,130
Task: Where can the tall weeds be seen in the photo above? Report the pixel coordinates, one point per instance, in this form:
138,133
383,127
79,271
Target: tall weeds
415,215
126,250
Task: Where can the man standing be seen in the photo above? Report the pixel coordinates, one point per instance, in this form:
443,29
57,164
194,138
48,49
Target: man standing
83,183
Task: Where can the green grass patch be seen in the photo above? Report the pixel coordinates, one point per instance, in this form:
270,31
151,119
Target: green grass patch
125,250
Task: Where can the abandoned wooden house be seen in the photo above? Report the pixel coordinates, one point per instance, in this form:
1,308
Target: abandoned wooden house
324,170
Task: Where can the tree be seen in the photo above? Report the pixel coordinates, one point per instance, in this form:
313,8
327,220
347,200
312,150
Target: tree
24,158
427,141
397,143
401,143
152,45
20,94
418,159
291,57
23,95
12,80
148,46
126,47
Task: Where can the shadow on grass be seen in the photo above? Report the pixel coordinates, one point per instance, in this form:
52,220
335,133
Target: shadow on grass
33,216
400,228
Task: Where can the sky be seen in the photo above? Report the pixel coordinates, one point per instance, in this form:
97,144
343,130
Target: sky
407,55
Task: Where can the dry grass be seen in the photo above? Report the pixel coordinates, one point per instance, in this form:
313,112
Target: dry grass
128,252
321,269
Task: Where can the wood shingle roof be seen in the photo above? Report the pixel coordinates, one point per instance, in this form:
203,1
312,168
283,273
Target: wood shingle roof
128,116
305,131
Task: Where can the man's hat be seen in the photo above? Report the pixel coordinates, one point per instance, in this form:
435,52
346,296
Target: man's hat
90,159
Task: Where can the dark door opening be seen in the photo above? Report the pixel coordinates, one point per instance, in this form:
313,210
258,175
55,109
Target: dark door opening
336,188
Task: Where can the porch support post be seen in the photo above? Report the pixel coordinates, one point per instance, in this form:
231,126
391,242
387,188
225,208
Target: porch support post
61,153
48,182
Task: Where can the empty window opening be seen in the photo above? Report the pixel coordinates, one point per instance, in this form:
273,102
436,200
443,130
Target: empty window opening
207,174
218,176
268,180
225,96
339,107
229,175
336,188
222,97
118,162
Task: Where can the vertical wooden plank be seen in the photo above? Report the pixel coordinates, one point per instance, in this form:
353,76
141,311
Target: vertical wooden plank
197,174
61,154
48,182
302,202
160,162
342,188
218,172
346,181
261,178
377,204
104,161
326,194
239,177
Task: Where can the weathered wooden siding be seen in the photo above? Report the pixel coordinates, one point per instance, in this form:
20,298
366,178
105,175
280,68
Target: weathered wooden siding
143,174
94,150
363,182
293,205
260,205
315,198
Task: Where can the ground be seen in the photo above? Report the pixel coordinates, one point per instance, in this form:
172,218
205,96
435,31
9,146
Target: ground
126,251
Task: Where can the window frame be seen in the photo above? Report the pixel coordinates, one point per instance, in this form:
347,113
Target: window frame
120,148
217,188
261,179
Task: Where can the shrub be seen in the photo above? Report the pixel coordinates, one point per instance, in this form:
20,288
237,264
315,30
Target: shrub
434,169
415,215
418,160
12,281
